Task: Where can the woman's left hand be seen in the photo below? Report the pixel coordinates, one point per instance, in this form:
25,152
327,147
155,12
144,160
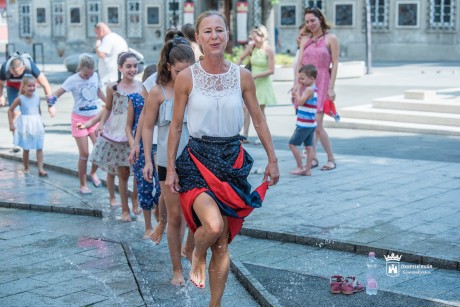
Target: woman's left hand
272,172
331,94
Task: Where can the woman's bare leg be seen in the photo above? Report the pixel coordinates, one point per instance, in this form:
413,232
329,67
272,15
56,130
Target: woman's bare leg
174,237
212,226
323,137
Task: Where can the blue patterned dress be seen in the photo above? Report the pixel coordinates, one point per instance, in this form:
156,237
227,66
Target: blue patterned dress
148,192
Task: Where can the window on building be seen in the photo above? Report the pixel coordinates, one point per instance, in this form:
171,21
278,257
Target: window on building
41,15
93,16
153,15
441,14
75,17
344,14
314,3
134,22
58,18
25,28
113,15
379,14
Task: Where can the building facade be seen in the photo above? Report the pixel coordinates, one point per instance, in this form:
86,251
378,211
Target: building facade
402,30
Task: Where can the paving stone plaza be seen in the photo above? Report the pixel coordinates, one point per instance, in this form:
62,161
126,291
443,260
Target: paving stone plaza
392,192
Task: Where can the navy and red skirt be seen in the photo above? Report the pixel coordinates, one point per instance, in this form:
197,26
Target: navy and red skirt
218,166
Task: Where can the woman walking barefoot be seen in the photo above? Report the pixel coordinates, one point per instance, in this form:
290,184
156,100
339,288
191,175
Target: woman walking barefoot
212,170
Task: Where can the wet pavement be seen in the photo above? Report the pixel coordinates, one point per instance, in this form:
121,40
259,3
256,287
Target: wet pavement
403,201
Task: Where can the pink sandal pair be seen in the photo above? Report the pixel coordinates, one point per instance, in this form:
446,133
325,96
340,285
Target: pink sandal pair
348,285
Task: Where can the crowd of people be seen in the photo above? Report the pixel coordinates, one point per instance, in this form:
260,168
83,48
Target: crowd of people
178,131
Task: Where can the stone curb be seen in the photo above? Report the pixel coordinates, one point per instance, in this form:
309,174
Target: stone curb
52,209
349,247
252,285
59,169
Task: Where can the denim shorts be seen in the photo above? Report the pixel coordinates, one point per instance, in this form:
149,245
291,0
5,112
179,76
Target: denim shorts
303,135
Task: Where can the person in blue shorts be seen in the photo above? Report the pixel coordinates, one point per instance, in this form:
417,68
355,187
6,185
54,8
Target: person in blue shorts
307,99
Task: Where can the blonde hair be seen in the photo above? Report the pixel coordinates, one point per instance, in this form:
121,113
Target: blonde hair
209,13
85,60
26,80
261,31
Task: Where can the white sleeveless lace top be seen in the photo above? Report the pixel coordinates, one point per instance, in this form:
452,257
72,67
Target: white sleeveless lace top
215,105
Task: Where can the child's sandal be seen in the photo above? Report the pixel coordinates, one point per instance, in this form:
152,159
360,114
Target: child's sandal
335,283
350,285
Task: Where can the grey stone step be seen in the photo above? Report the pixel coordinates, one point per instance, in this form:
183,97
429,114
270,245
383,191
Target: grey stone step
403,116
379,125
444,104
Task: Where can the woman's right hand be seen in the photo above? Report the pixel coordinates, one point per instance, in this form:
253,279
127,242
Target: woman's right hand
148,171
134,154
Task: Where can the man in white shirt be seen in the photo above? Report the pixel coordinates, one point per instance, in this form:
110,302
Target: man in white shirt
108,46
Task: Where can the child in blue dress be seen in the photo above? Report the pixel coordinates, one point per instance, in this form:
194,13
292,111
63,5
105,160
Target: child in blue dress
148,192
28,129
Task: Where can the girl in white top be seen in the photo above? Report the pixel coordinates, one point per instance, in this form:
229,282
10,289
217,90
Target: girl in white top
213,168
175,56
85,88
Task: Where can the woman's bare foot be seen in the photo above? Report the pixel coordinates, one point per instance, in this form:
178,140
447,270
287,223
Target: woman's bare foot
178,279
198,271
125,217
147,233
299,171
113,202
157,233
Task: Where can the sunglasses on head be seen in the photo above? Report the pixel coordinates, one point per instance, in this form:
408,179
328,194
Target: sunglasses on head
258,31
313,10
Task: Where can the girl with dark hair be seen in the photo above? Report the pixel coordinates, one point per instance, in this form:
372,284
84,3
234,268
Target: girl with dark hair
112,149
175,56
